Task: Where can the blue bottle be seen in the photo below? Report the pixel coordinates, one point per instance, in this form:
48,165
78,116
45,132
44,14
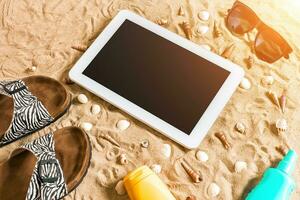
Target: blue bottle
277,183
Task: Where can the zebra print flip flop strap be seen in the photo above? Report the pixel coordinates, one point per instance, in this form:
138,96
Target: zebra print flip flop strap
47,181
29,113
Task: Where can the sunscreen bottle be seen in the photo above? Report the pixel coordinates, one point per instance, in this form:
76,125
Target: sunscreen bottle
144,184
276,183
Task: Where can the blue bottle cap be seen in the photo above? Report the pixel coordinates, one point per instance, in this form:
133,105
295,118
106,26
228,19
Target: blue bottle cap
288,163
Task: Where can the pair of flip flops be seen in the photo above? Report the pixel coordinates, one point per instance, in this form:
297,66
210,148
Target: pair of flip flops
51,166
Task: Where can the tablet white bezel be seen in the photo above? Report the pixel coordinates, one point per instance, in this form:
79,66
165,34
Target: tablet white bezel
209,116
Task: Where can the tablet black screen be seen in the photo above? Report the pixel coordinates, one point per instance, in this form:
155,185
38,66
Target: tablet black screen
161,77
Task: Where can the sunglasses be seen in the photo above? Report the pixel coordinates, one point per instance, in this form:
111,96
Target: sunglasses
269,45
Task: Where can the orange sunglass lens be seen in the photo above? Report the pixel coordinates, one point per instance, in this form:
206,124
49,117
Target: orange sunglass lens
269,46
241,19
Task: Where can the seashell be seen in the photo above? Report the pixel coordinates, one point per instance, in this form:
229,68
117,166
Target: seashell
239,166
194,175
110,139
156,168
186,27
120,189
205,46
166,150
281,125
32,68
213,190
268,80
123,124
162,21
181,11
228,51
250,62
204,15
202,156
86,126
245,84
81,48
191,197
110,155
240,127
223,140
281,150
216,30
123,159
274,98
282,101
96,109
82,98
202,29
145,143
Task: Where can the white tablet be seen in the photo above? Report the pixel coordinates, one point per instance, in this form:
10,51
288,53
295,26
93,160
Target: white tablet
158,77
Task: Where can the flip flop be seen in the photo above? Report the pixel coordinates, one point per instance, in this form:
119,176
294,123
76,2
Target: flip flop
29,105
47,168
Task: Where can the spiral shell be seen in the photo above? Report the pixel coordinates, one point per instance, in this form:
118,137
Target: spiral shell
216,30
186,27
228,51
110,139
194,175
274,98
181,11
221,136
282,101
81,48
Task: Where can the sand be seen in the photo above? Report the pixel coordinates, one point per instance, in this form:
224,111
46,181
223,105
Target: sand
42,33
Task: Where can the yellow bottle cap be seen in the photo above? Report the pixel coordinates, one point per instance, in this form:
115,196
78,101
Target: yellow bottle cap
136,176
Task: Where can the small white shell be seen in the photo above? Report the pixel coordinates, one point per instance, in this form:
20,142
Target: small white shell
213,190
166,150
123,159
240,166
156,168
245,84
86,126
204,15
145,143
202,29
268,80
82,98
32,69
281,125
205,46
123,124
96,109
202,156
240,127
120,189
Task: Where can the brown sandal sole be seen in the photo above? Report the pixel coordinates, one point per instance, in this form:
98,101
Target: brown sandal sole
73,150
53,95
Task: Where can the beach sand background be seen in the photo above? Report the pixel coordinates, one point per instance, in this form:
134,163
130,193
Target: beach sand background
42,33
